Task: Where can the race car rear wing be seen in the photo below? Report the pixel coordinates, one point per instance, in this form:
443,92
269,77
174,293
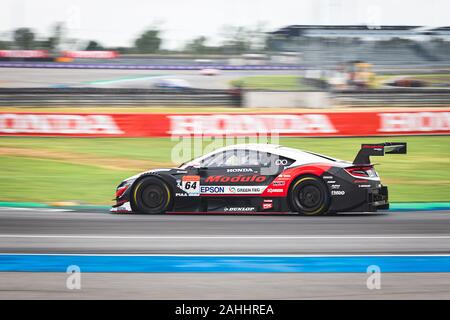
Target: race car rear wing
378,149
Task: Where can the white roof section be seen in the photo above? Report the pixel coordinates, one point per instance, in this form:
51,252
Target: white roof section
262,147
300,157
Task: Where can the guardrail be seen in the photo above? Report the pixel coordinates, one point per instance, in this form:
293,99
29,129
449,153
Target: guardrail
205,97
135,66
115,96
392,97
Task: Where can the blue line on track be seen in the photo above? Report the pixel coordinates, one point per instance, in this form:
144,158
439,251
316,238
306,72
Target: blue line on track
157,263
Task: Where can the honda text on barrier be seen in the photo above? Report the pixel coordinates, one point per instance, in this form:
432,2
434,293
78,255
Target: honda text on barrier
257,178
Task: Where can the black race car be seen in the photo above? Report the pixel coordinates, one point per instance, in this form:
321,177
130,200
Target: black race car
261,178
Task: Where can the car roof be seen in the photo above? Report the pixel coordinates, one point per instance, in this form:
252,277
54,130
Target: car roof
295,154
252,146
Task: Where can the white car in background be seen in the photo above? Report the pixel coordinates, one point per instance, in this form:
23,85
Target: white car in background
209,72
175,84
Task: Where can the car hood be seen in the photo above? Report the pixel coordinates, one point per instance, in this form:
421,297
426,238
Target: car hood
178,170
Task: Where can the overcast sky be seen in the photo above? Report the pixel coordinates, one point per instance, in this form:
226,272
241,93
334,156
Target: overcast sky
116,23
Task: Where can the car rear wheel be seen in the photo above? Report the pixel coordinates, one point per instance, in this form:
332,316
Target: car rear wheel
151,195
309,196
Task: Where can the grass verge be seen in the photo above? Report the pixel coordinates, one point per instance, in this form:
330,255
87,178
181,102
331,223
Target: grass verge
275,82
88,169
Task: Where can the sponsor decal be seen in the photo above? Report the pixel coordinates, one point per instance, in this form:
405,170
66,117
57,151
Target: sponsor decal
240,170
191,185
331,181
282,178
414,121
249,189
281,162
364,185
64,124
335,186
23,54
239,209
219,124
274,190
231,124
328,177
337,192
286,176
212,189
267,204
91,54
190,178
278,183
232,189
240,178
178,194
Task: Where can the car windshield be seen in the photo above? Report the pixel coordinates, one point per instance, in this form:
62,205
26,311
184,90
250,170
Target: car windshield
187,163
234,157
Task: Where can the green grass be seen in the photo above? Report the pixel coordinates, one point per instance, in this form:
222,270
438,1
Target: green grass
76,169
276,82
156,149
38,180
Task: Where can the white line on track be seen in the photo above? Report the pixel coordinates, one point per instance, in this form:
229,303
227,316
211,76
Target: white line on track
222,255
224,237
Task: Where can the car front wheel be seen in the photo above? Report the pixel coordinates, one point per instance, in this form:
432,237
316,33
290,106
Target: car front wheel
151,195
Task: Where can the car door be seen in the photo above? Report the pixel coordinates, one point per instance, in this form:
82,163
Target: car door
237,172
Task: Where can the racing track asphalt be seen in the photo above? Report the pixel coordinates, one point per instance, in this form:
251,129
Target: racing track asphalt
48,231
27,77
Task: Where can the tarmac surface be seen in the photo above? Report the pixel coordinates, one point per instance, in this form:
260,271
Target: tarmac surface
47,231
30,77
40,231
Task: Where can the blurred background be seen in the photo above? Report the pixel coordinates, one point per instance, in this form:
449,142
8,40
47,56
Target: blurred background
76,77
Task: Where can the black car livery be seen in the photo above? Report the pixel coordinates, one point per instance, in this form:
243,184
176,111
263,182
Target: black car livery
261,178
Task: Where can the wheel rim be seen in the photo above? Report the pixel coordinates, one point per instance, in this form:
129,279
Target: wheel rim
310,197
153,196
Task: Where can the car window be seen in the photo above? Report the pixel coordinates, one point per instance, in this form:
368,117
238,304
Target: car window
212,160
232,158
242,157
222,159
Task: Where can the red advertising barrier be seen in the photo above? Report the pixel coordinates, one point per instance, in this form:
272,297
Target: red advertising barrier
23,54
321,124
91,54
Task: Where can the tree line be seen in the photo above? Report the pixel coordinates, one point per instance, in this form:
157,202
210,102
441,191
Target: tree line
236,40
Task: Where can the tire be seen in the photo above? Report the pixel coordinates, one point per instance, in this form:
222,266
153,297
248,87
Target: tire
151,195
309,196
